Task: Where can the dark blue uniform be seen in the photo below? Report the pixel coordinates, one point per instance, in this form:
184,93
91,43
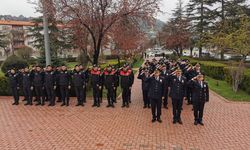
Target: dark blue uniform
38,82
177,93
27,79
14,85
96,81
79,82
126,83
145,88
200,95
109,83
63,82
49,84
156,91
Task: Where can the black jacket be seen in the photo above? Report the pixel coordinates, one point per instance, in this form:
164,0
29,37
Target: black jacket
27,79
178,88
156,87
127,79
50,79
145,84
79,78
63,78
38,79
13,79
199,93
109,79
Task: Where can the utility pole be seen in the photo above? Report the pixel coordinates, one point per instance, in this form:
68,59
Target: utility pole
46,33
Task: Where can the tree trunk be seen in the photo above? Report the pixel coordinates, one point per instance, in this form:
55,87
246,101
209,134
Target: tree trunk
191,51
200,52
222,54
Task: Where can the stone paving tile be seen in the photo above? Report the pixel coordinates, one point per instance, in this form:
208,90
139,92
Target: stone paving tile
227,127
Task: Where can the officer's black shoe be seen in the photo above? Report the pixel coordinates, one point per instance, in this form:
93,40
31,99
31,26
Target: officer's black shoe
24,100
67,105
59,101
196,123
159,120
31,104
149,106
14,103
127,106
94,105
115,101
78,104
174,121
98,105
38,104
144,106
180,122
123,106
166,107
27,104
82,104
63,104
108,105
201,123
42,104
153,120
113,106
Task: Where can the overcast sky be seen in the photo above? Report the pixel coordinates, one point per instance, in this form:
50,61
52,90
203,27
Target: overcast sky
22,7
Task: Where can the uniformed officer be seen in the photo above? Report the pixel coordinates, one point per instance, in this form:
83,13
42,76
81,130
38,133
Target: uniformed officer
156,94
189,73
86,75
38,85
143,74
57,71
166,75
50,84
178,94
126,84
27,78
96,81
64,85
14,84
78,78
109,83
132,82
116,82
200,95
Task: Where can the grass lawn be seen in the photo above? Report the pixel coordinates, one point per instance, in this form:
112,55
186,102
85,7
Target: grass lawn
225,90
138,63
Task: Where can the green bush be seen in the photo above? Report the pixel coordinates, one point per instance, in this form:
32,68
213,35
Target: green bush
212,69
13,62
4,86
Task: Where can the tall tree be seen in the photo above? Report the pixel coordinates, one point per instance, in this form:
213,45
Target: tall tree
200,13
227,13
176,33
99,16
4,42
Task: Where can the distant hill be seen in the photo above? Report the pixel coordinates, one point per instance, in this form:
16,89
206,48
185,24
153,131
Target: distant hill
16,18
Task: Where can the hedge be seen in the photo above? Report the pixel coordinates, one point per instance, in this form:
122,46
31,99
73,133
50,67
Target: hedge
212,69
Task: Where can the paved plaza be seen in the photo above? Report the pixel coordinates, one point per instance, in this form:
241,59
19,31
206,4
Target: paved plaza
227,127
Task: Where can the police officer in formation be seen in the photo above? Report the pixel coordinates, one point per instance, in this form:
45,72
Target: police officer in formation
178,80
14,84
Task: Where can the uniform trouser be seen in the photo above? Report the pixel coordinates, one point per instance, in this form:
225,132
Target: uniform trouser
64,94
101,91
189,95
27,94
96,95
58,94
79,94
165,100
110,95
115,94
145,98
129,95
50,94
177,107
84,94
156,108
198,110
15,94
125,96
39,94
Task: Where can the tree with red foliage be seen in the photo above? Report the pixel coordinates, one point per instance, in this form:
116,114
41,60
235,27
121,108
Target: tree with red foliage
98,17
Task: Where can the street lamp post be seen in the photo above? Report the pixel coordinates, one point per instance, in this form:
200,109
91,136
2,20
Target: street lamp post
46,34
